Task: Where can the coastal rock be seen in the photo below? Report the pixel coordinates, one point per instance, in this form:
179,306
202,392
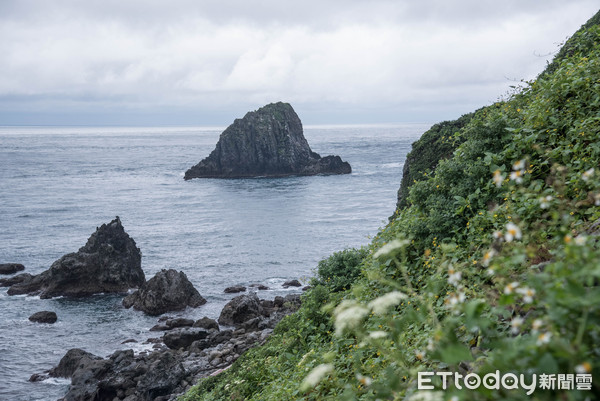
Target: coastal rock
240,309
260,287
19,278
207,323
292,283
235,288
110,262
74,359
268,142
11,268
44,317
184,337
169,290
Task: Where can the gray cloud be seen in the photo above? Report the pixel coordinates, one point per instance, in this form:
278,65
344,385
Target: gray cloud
391,60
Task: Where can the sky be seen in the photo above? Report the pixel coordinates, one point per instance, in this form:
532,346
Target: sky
207,62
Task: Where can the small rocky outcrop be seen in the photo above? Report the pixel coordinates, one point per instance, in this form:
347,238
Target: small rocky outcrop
292,283
110,262
44,317
19,278
234,289
169,290
11,268
268,142
240,309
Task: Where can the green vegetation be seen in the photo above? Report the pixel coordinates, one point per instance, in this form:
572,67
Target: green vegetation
491,265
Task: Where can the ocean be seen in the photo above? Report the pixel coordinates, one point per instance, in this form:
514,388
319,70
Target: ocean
57,184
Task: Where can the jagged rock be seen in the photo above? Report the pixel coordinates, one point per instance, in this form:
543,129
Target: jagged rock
292,283
234,289
207,323
109,262
240,309
44,317
11,268
169,290
74,359
266,142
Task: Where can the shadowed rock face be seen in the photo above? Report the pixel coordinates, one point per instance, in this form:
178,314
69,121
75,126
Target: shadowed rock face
109,262
268,142
169,290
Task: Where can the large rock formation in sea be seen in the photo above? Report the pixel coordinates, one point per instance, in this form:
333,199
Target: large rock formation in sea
110,262
169,290
267,142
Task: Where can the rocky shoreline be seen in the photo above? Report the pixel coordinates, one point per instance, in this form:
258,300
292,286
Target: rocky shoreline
186,350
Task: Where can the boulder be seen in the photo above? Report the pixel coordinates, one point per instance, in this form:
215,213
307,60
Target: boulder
240,309
74,359
268,142
169,290
110,262
184,337
11,268
207,323
235,288
44,317
292,283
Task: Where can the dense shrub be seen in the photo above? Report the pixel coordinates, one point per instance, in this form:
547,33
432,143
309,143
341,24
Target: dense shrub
341,269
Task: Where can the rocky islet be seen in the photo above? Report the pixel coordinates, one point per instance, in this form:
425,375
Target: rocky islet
268,142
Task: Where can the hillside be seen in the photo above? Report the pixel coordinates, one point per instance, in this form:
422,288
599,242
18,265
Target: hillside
490,264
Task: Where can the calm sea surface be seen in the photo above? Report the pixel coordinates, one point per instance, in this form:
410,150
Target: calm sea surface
58,184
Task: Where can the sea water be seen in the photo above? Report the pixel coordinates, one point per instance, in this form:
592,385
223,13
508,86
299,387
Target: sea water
58,184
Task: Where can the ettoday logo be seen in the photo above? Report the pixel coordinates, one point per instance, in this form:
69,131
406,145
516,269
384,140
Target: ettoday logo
508,381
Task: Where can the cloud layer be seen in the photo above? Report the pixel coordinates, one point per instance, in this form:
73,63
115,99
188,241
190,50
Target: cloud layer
209,61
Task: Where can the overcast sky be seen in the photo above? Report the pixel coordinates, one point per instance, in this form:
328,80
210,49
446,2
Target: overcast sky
205,62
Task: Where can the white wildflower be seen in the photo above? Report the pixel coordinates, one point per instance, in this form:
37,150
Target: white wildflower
364,380
520,165
454,276
583,368
597,199
528,294
536,325
517,176
348,315
587,174
383,303
510,288
512,232
497,235
316,375
430,345
544,338
487,257
545,201
389,248
515,324
420,355
378,334
580,240
498,178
